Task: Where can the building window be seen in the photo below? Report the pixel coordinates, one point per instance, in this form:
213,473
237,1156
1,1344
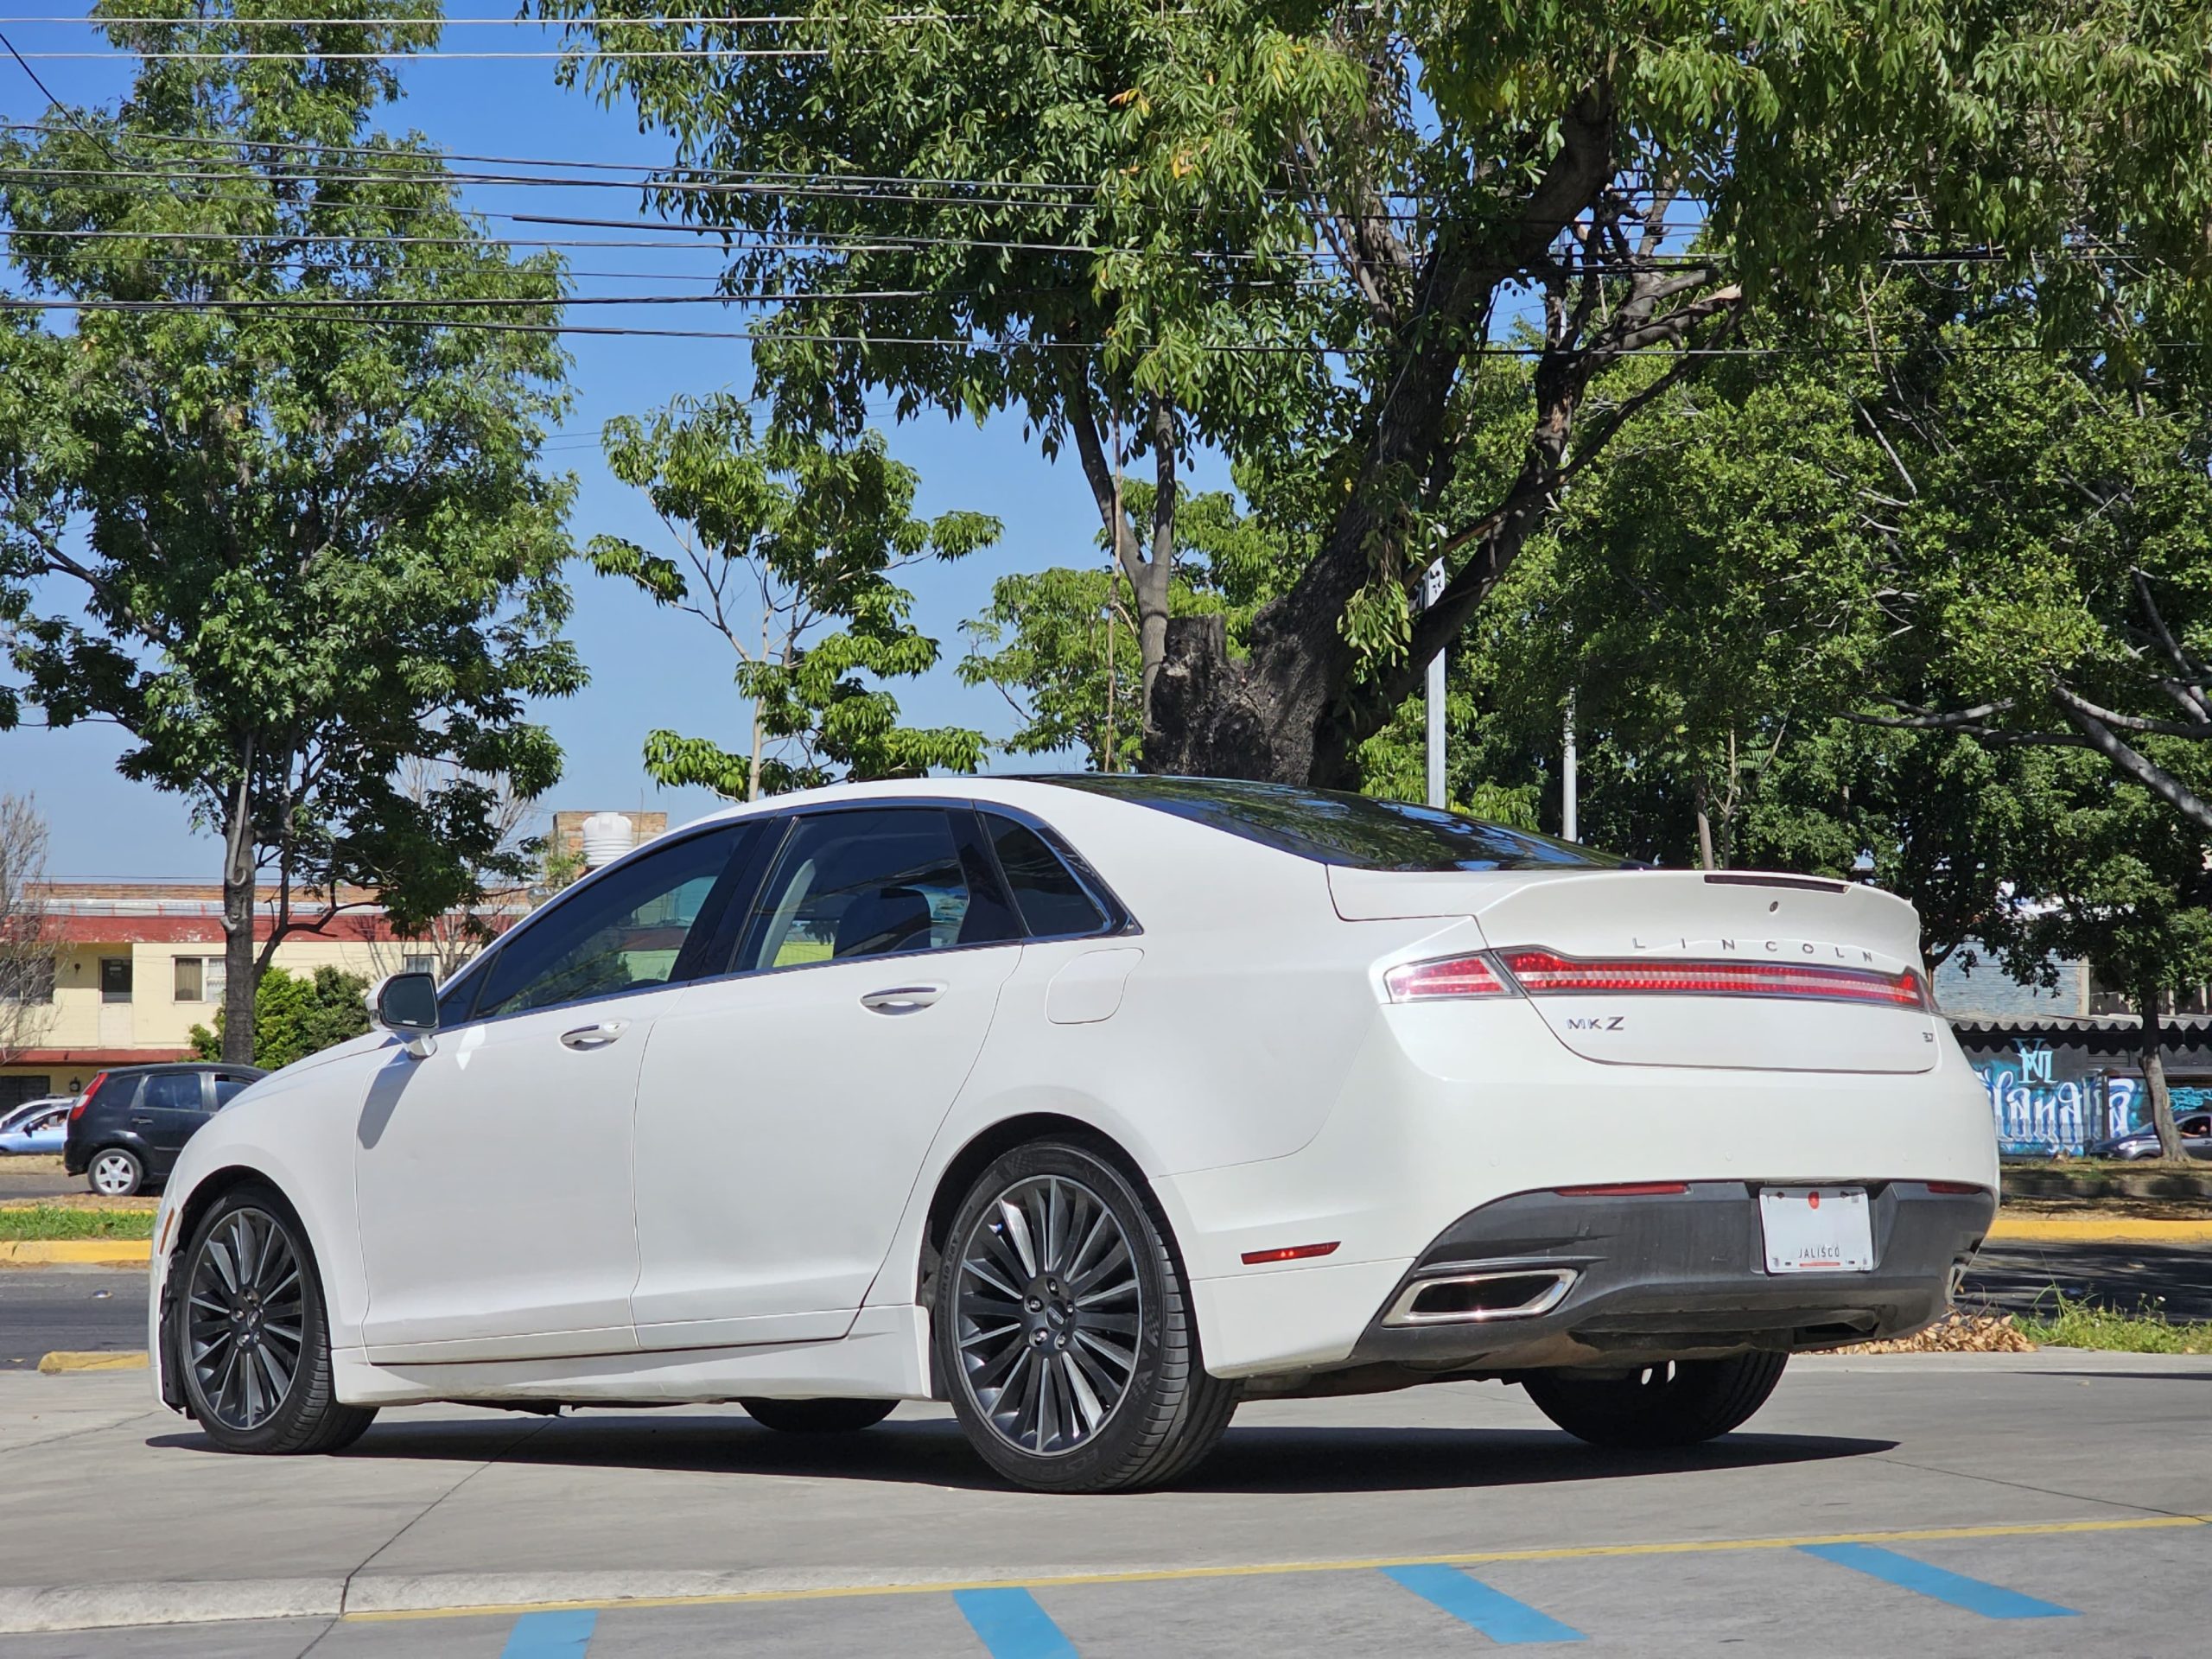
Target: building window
115,978
419,965
28,981
201,979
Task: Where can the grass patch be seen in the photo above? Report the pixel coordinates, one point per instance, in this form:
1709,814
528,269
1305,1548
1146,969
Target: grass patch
2067,1323
51,1220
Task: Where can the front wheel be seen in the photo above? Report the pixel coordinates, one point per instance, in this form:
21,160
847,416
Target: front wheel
115,1173
818,1416
1063,1331
1678,1403
251,1336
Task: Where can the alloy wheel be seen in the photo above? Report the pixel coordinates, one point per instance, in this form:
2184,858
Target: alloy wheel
113,1174
245,1319
1049,1308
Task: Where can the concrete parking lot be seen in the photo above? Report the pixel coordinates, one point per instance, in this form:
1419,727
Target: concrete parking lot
1967,1504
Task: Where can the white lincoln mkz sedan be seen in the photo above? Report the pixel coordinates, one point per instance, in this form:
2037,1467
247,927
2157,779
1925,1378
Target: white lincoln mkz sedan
1093,1105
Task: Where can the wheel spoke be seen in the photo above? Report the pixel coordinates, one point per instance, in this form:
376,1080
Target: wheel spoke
1017,1234
1079,1390
984,1271
1088,1288
1119,1357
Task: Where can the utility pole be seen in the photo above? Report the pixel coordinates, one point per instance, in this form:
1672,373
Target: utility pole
1567,827
1432,590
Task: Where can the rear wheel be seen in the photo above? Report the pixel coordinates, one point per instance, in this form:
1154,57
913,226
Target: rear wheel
115,1173
818,1416
1063,1331
1679,1403
252,1337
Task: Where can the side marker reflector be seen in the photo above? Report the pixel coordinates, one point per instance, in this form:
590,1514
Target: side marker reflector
1625,1189
1295,1253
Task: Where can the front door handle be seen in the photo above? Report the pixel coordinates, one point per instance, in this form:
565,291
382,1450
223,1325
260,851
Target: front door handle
598,1036
902,999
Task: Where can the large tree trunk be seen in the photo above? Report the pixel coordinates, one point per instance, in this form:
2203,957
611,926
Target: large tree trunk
2154,1080
237,924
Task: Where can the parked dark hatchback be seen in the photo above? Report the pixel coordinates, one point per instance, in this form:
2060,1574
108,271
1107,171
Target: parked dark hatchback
126,1130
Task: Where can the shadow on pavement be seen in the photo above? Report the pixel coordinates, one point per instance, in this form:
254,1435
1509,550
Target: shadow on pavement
1250,1460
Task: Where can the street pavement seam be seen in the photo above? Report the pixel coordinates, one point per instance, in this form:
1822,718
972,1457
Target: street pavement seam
2022,1486
530,1431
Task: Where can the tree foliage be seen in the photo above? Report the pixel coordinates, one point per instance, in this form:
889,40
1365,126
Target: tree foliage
1300,233
295,1016
284,529
779,538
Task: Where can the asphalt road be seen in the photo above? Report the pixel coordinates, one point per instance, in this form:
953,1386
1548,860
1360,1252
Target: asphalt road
36,1178
1950,1506
83,1309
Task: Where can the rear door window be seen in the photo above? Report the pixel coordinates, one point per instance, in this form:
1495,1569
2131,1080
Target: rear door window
874,883
171,1091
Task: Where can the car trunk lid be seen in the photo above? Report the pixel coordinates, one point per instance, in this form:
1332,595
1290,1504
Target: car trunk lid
1691,968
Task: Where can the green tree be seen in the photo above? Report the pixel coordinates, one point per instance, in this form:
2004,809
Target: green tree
295,1017
257,507
776,539
1299,233
1062,646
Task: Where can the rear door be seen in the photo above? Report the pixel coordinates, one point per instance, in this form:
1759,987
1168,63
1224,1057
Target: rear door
785,1109
170,1106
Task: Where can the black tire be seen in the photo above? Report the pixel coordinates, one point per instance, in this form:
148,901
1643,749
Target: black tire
818,1416
1678,1404
115,1173
249,1411
1166,1414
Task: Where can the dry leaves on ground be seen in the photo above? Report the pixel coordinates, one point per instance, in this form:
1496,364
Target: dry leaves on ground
1956,1333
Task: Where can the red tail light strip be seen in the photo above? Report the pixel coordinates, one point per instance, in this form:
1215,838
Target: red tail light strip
1426,982
85,1099
1542,973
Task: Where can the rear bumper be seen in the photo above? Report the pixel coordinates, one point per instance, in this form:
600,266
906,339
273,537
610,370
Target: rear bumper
1673,1276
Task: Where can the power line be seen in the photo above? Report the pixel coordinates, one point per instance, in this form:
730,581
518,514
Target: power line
760,21
405,55
54,103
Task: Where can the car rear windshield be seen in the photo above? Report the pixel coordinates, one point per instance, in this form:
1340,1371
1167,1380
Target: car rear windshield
1357,831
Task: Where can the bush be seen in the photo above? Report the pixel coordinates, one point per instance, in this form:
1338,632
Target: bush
294,1018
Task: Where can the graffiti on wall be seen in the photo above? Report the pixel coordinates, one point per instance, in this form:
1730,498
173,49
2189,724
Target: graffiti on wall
2039,1108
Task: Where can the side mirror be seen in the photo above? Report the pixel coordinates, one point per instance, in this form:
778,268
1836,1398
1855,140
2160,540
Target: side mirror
407,1005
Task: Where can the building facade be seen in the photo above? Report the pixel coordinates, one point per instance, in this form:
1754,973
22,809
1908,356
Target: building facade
137,965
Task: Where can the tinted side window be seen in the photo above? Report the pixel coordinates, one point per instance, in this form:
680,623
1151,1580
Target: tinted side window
621,932
861,884
1052,901
172,1091
229,1088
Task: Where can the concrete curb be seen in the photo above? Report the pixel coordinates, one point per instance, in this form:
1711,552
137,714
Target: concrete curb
64,1360
76,1252
2091,1230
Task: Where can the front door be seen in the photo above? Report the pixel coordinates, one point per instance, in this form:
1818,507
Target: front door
785,1110
493,1176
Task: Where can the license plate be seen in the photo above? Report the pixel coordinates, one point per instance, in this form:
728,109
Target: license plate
1816,1230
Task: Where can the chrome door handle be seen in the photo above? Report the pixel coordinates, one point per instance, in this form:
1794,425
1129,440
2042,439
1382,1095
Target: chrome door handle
598,1036
901,999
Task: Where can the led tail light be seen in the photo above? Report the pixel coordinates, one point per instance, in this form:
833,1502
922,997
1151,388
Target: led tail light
85,1099
1545,973
1448,976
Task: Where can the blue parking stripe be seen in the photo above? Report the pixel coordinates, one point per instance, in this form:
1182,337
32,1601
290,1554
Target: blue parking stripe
564,1635
1493,1612
1990,1601
1011,1624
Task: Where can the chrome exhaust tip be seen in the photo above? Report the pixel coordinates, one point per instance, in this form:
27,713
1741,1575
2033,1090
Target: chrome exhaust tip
1471,1298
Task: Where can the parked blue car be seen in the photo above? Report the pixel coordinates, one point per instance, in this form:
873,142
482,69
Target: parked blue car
36,1125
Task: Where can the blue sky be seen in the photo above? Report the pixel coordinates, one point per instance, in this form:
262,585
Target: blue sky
650,668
